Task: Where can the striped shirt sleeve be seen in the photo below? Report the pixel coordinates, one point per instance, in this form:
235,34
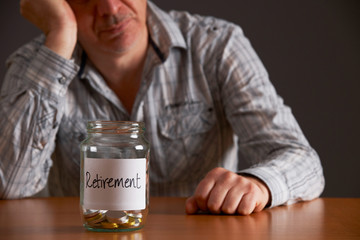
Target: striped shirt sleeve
30,110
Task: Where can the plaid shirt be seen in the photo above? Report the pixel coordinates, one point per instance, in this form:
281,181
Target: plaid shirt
205,98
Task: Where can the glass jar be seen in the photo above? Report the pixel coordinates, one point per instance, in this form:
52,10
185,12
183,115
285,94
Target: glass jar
114,176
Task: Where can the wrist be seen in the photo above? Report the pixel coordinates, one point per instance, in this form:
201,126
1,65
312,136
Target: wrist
62,41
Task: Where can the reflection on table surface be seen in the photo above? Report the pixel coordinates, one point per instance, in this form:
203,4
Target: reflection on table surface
59,218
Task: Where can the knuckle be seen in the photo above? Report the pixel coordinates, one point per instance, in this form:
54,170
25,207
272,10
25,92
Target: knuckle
214,207
211,206
252,187
245,209
244,212
242,179
219,169
227,210
228,177
246,184
215,172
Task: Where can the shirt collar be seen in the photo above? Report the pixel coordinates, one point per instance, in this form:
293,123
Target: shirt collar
164,33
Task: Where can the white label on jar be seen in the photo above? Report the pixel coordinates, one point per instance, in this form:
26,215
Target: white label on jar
115,184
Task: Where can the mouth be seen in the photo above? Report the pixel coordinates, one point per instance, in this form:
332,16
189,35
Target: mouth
115,28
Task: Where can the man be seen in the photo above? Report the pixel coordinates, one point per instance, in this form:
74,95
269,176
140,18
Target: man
201,90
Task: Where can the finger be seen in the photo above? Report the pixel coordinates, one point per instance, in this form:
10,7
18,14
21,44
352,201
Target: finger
191,206
202,193
232,201
222,186
216,198
247,204
205,187
260,205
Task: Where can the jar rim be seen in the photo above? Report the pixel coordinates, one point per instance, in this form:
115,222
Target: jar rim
115,127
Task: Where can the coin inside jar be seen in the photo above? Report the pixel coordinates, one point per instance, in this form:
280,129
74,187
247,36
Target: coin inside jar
134,222
95,220
135,215
119,217
89,213
109,225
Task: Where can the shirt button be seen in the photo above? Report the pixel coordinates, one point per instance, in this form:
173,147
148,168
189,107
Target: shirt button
62,79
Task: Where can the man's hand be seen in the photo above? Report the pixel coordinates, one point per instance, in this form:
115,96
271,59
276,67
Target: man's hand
223,191
56,19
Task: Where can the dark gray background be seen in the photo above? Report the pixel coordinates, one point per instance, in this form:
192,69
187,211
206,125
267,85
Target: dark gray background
311,49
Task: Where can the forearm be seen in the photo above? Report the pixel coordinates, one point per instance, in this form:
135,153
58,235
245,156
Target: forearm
62,42
31,110
270,139
291,175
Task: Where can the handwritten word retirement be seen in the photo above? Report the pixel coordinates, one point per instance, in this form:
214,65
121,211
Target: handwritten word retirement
100,182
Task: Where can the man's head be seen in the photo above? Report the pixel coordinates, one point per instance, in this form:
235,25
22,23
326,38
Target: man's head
113,26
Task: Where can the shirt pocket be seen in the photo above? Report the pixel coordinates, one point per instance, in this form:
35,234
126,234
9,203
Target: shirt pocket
186,127
185,119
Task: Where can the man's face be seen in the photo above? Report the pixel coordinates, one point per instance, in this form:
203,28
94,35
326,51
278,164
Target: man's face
113,26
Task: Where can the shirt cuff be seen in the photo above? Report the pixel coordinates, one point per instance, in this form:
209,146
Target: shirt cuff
274,181
50,73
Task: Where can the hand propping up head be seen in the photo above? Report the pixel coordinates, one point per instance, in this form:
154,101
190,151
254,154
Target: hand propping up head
56,20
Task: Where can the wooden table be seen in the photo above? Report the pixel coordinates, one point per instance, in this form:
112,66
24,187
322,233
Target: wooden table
59,218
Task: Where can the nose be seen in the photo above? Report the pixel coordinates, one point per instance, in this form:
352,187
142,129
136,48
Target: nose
108,7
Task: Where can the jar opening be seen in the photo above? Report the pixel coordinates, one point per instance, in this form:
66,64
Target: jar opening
115,127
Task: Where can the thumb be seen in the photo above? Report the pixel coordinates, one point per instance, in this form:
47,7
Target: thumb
191,206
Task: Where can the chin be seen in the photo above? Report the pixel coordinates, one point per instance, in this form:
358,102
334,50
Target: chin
120,48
